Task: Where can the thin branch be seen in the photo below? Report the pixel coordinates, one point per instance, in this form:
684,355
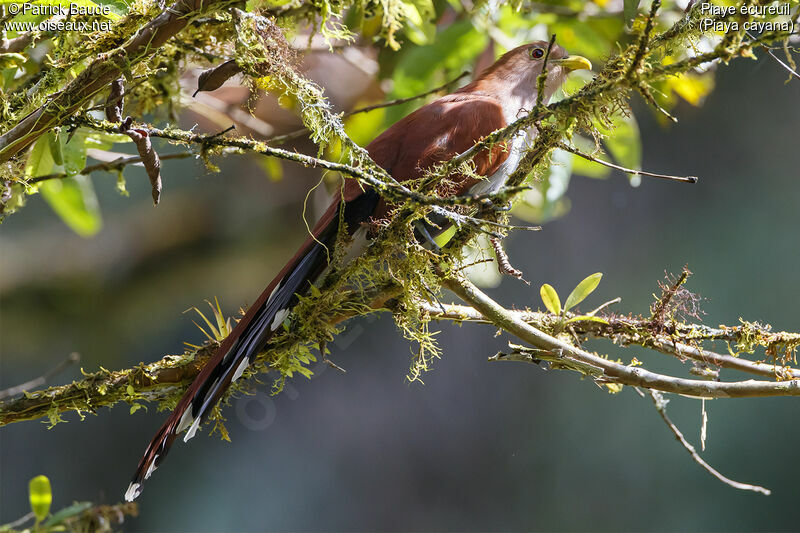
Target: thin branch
612,372
71,359
400,101
629,331
116,164
18,43
280,139
101,72
212,104
661,406
392,191
788,68
542,78
644,39
19,521
160,380
588,157
650,99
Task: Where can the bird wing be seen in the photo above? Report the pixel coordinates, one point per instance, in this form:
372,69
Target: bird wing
434,133
439,131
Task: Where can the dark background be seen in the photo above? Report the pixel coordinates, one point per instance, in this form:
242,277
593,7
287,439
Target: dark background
480,446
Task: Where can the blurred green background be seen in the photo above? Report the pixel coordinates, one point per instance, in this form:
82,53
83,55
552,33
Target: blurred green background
480,446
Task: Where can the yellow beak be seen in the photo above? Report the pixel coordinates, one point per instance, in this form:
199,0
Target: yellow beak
574,63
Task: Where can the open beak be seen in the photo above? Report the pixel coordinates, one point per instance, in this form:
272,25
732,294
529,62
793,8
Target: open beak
573,63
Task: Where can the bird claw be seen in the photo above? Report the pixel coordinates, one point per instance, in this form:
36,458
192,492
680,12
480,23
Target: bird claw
422,230
487,204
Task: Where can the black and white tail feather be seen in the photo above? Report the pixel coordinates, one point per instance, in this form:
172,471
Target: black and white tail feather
251,336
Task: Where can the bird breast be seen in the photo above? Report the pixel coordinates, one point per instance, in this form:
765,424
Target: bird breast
492,184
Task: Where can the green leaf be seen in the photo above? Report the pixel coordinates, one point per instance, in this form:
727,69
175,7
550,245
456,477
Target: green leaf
584,37
67,151
550,298
74,201
423,67
10,60
100,140
420,28
480,272
40,162
630,7
547,201
67,512
445,236
584,167
41,496
55,147
74,153
363,127
584,289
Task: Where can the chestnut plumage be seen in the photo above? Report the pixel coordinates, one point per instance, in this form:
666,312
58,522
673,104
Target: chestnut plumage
432,134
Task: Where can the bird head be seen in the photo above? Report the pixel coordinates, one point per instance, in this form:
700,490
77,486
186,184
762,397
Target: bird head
516,73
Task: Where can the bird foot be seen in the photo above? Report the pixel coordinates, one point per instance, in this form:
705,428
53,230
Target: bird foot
421,229
487,205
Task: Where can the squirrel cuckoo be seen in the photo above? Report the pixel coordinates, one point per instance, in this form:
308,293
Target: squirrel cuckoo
434,133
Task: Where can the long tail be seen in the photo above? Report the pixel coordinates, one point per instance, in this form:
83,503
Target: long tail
252,334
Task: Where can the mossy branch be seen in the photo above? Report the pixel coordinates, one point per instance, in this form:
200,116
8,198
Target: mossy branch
163,381
101,72
682,340
606,370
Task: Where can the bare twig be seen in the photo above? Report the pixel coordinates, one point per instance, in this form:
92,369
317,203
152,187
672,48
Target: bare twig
100,73
788,68
589,157
116,164
648,96
613,372
542,78
393,191
644,39
661,407
71,359
280,139
633,331
18,522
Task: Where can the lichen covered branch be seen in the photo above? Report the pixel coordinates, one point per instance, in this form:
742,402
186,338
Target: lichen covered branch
609,371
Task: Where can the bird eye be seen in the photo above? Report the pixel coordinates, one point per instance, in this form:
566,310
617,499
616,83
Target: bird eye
536,53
